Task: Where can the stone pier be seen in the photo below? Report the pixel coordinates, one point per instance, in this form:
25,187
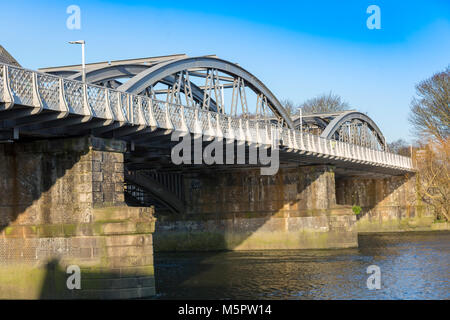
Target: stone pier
62,204
388,205
243,210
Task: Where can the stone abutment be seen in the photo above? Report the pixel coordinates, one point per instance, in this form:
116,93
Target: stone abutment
62,204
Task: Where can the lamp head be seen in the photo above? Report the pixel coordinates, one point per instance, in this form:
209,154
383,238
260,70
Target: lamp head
77,42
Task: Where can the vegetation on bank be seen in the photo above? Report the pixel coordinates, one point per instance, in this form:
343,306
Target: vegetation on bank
356,209
430,120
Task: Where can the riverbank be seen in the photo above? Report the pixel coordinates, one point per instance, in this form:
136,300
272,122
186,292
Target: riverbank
367,225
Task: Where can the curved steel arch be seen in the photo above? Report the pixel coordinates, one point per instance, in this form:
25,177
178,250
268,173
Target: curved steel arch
63,73
130,70
337,122
111,72
321,123
160,71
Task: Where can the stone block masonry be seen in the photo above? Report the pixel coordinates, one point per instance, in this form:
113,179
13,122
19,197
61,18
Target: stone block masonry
62,204
242,210
388,205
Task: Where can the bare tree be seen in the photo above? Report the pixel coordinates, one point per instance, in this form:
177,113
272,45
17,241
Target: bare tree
430,117
400,147
324,103
289,106
430,110
433,163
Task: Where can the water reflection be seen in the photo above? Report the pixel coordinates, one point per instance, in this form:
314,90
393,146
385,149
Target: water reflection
413,266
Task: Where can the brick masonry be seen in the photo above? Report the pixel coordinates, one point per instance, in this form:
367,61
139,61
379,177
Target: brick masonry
63,204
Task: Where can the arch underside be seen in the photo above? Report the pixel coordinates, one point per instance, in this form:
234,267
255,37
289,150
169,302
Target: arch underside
154,189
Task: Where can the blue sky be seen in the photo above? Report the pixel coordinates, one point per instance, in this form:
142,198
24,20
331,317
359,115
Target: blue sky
299,49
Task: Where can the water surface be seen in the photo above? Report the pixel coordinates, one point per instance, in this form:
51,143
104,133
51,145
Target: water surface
413,266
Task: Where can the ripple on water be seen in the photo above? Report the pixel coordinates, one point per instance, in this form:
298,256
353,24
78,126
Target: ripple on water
413,266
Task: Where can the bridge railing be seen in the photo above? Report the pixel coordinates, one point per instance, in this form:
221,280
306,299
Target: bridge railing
44,91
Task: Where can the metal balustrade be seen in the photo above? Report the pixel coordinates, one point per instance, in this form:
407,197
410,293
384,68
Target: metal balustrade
44,91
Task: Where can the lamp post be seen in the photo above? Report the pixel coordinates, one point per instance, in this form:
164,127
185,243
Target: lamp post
83,64
300,110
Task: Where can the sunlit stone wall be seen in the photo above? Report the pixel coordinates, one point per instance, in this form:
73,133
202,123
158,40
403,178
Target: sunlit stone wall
62,204
243,210
389,204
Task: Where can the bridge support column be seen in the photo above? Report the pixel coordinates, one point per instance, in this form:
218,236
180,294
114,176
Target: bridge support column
389,204
243,210
61,205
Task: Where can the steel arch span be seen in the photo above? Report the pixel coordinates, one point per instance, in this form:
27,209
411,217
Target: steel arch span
348,126
44,105
202,82
195,81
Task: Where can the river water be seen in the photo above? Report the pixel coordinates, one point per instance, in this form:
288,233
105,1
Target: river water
412,266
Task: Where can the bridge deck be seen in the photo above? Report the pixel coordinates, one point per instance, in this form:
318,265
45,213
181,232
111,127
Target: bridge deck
39,104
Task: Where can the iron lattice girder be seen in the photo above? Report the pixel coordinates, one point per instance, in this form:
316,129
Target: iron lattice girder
147,76
169,68
111,73
334,126
157,73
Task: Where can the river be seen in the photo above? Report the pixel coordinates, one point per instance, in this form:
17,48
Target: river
412,265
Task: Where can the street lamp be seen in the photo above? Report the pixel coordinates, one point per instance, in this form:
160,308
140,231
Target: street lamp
300,110
83,64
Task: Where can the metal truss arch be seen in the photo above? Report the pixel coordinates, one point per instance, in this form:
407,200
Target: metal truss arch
43,105
332,129
157,73
110,74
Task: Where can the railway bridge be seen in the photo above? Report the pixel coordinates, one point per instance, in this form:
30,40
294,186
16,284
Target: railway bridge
89,180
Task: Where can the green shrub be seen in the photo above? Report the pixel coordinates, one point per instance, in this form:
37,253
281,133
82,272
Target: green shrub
356,209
